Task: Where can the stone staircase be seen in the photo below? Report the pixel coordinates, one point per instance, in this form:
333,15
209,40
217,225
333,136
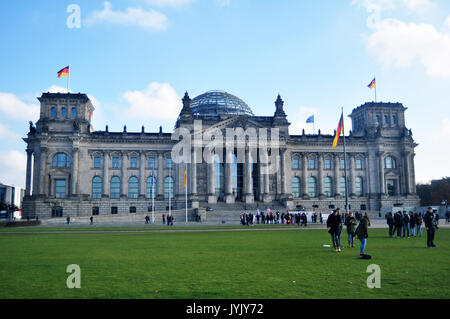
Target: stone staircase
231,212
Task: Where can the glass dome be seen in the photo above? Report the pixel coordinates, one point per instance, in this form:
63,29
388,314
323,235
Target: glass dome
215,103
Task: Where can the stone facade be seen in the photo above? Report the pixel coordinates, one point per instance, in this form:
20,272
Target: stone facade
74,170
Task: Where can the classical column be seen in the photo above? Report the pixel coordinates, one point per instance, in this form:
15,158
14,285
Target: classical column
304,182
212,199
351,188
249,197
124,175
266,168
74,177
413,174
229,196
106,181
381,173
42,171
142,179
36,173
283,172
28,179
160,183
336,178
320,182
193,177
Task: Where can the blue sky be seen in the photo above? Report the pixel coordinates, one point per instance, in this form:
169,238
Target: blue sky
136,58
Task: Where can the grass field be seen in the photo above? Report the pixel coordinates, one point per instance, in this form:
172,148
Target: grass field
253,264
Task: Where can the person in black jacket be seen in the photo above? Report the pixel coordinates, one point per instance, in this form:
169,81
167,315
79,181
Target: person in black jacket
430,224
398,223
405,225
390,222
412,224
333,223
362,233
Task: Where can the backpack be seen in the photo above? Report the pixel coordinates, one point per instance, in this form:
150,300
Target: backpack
419,221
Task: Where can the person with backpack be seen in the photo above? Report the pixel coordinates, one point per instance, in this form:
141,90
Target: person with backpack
351,222
363,234
390,222
419,222
405,224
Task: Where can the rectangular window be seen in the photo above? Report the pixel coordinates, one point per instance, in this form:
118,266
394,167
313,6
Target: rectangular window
377,118
60,188
295,163
312,163
168,162
114,210
95,210
151,162
385,121
132,209
115,162
73,112
133,162
327,163
342,164
358,163
394,119
97,162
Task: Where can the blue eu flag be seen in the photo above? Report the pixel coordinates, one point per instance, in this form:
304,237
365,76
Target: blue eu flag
310,119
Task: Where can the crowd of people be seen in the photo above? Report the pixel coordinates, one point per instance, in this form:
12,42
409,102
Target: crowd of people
271,217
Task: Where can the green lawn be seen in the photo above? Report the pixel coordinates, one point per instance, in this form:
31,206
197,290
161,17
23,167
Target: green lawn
256,264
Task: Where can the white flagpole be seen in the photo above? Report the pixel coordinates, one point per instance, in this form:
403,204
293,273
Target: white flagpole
185,192
153,196
68,81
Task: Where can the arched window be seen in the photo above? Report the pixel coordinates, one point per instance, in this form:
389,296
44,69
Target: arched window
73,112
151,187
342,185
53,112
358,186
312,187
97,187
115,187
295,187
63,112
390,162
61,160
168,187
328,186
133,187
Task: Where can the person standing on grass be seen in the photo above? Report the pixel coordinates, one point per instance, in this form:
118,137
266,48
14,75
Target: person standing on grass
351,228
430,224
92,220
405,225
398,223
419,223
68,220
340,228
333,222
362,233
164,218
321,218
412,223
390,222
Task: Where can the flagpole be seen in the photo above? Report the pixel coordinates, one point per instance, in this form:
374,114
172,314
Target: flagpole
375,89
68,81
345,166
185,191
153,193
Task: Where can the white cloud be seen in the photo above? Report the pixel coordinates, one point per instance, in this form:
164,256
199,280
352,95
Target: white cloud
13,164
151,19
56,89
171,3
14,108
384,5
400,44
159,101
6,133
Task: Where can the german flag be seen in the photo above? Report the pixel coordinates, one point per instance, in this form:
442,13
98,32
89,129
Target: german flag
339,131
373,84
185,177
63,72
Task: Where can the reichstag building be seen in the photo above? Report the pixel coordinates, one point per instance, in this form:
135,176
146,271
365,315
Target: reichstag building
75,170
